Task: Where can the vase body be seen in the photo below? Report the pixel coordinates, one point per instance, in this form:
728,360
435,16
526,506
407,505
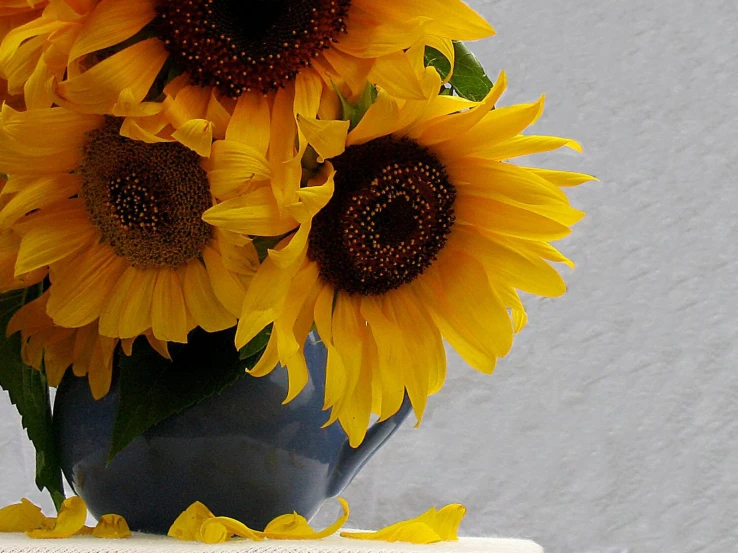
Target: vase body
241,452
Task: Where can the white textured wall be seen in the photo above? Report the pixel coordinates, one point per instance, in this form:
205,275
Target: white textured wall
613,425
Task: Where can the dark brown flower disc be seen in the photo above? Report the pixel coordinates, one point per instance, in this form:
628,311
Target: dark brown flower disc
241,46
390,215
146,199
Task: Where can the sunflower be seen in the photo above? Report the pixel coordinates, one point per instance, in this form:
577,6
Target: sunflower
58,348
132,254
219,48
429,235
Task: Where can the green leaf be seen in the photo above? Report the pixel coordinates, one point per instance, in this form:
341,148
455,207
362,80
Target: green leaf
257,344
29,392
434,58
355,113
469,79
153,388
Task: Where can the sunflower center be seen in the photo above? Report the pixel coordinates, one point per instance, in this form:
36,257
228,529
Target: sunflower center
390,215
241,46
146,199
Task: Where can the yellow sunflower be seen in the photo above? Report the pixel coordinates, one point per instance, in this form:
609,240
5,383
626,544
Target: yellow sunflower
226,48
429,235
118,224
58,348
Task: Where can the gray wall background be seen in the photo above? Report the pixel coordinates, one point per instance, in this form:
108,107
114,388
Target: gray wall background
613,425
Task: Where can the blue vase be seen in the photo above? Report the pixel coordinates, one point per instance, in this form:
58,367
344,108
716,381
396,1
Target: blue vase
241,452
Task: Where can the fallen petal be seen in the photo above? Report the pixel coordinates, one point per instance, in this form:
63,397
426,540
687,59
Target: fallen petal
430,527
71,519
21,517
187,526
296,527
112,527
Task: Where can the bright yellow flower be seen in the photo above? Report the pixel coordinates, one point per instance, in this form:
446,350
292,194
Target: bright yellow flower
430,234
311,42
118,223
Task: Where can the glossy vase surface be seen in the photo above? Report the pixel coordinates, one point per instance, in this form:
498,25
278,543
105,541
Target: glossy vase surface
241,452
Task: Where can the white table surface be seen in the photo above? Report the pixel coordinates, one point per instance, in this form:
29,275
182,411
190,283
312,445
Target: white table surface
144,543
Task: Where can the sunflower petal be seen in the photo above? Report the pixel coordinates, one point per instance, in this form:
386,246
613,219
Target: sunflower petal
21,517
71,519
431,527
111,23
112,527
97,90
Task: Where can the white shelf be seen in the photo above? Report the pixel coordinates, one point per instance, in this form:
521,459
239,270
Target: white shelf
143,543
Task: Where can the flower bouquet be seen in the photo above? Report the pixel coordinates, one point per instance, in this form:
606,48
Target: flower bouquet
197,197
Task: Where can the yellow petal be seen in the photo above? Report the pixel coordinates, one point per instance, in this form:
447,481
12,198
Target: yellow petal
507,220
250,123
313,197
201,300
28,127
255,213
381,119
497,126
327,137
111,23
37,192
457,124
289,341
494,179
517,267
21,517
135,317
13,40
100,371
371,35
221,529
197,135
168,315
70,520
227,287
82,286
128,106
390,354
234,163
187,525
308,89
431,527
112,527
396,75
525,145
561,178
97,90
264,299
296,527
446,18
45,241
